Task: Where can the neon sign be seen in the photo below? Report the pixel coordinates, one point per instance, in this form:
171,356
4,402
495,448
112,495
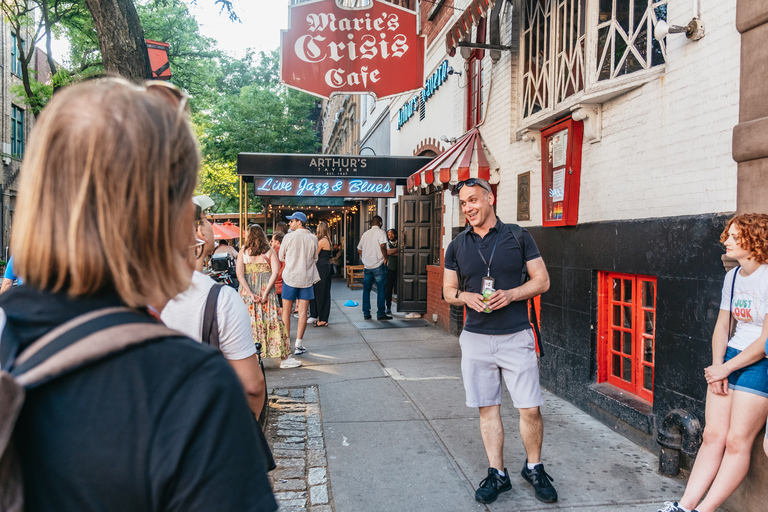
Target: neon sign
324,187
432,84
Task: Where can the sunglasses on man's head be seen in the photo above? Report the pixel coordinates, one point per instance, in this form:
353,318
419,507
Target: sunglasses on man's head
471,182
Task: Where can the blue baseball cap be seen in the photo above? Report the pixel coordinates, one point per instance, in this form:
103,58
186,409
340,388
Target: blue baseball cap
298,216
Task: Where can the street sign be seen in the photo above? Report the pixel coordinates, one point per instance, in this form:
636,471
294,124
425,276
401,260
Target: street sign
329,49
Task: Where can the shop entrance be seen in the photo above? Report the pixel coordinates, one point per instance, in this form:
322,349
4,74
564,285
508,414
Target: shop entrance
347,191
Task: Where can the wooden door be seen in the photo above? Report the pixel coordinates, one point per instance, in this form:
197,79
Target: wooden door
415,227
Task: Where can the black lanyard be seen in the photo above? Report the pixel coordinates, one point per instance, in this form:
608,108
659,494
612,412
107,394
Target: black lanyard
488,263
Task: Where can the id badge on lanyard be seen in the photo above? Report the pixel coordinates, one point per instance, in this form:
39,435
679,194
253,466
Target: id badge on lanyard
487,285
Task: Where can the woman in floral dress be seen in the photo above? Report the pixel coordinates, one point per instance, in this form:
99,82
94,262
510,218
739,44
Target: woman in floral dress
257,269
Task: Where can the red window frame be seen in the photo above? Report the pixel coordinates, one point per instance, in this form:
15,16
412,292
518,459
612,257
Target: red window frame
627,332
560,201
474,91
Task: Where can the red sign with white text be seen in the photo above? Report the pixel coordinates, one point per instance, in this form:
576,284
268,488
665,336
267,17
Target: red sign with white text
375,49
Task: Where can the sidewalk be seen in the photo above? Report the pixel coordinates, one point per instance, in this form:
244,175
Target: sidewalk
398,436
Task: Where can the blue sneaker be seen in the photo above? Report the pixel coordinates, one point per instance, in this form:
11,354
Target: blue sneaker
492,486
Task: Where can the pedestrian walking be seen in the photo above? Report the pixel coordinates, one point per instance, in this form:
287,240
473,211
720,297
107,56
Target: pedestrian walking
323,286
101,232
373,251
277,240
737,394
392,259
257,269
483,269
186,313
299,252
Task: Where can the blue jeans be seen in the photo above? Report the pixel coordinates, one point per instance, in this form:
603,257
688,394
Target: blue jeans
379,275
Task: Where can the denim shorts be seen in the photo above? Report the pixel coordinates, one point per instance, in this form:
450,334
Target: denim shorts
291,293
750,379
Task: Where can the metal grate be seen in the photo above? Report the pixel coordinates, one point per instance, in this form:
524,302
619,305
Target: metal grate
390,324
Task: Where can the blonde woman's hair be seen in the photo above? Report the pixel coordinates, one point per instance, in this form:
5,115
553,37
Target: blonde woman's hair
106,188
323,231
256,243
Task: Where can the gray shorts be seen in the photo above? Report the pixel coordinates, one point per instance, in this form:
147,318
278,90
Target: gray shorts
485,358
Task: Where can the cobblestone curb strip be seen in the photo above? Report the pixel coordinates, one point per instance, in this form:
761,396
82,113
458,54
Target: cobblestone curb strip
295,435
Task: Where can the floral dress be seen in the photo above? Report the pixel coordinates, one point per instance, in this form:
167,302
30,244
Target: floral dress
267,325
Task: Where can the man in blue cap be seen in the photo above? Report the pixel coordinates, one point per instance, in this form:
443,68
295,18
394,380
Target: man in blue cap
299,252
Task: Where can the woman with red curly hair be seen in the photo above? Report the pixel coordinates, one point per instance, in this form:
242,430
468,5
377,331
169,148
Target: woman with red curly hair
737,398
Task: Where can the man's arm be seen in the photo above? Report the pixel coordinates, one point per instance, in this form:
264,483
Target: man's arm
249,373
384,250
456,298
538,284
7,283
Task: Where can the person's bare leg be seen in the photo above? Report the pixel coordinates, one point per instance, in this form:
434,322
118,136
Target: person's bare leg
748,413
532,432
718,416
287,309
492,432
302,325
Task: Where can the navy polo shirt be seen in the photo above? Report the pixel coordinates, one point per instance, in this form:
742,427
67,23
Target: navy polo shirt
506,269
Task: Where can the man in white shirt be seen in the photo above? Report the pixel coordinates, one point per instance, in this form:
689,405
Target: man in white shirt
373,252
185,314
299,252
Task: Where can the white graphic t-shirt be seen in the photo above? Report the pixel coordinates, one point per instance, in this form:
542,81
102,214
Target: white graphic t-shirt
749,306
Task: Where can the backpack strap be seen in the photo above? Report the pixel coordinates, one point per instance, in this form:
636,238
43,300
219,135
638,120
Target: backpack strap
732,321
210,318
83,340
517,232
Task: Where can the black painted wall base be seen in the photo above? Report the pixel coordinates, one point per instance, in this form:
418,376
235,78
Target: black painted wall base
684,254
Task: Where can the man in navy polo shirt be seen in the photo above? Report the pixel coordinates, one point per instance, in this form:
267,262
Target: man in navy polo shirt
497,339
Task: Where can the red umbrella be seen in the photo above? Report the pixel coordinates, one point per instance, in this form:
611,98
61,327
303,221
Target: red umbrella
225,231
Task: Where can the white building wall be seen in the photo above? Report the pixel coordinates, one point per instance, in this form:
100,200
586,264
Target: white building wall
666,145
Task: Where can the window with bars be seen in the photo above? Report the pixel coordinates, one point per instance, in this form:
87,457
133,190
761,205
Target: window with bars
553,49
627,332
565,52
625,41
17,132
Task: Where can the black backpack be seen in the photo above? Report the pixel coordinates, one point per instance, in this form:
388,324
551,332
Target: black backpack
517,232
74,344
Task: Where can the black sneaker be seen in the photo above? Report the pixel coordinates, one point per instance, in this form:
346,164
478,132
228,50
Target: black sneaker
492,486
366,317
540,481
384,317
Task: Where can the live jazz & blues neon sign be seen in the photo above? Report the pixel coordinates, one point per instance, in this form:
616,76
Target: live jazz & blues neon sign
324,187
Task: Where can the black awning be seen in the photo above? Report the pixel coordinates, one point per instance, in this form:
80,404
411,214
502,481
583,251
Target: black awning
250,165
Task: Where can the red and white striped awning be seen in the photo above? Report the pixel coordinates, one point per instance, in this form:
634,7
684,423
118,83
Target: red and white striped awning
467,158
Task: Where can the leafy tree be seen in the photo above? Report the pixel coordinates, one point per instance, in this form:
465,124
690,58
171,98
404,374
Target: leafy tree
261,120
193,57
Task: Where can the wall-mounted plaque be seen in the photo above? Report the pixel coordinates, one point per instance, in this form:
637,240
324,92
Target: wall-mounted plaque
524,196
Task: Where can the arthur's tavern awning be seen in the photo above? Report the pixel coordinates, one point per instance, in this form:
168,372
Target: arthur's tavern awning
467,158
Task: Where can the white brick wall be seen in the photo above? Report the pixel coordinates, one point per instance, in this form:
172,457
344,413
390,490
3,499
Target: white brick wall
666,146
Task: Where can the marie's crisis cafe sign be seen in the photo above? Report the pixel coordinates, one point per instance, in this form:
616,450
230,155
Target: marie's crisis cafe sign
328,49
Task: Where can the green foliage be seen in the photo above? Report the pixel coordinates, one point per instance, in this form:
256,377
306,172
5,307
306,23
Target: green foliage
219,181
193,57
261,120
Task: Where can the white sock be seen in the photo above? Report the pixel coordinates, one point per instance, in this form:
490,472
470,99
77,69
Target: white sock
501,473
532,465
682,507
299,342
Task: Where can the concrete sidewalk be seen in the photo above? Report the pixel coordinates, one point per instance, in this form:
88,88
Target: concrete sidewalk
398,436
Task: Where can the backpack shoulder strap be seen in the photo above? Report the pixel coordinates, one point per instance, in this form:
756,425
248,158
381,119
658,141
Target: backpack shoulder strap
517,232
732,322
210,318
83,340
